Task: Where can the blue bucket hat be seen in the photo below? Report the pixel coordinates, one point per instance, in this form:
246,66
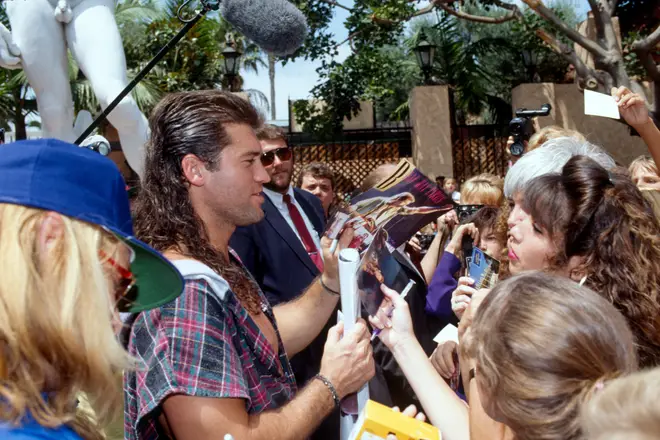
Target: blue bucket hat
79,183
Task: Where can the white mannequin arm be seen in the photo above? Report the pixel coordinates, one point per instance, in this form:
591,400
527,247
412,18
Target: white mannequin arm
9,51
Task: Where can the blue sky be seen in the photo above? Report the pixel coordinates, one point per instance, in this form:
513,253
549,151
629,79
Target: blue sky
295,80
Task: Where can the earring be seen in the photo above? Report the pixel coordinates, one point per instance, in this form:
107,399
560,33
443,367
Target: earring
583,280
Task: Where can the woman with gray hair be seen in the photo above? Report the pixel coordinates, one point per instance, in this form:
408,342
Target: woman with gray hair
550,158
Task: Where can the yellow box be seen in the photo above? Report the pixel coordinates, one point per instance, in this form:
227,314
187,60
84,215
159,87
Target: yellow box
377,421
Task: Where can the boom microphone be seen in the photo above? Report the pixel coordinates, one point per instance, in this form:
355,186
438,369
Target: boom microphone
277,26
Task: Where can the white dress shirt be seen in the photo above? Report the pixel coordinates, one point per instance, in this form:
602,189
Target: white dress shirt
278,201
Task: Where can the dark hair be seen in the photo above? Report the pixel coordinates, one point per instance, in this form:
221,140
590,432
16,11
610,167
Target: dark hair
181,124
490,217
485,217
603,217
318,170
268,132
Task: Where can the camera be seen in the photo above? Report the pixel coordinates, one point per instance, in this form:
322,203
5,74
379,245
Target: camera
464,212
521,128
425,240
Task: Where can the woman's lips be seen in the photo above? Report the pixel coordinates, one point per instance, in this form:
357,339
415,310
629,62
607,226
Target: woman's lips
512,254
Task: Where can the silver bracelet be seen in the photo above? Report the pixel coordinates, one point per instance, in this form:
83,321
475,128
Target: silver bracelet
331,387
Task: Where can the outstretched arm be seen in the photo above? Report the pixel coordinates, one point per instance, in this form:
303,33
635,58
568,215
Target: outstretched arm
301,320
347,364
633,110
442,406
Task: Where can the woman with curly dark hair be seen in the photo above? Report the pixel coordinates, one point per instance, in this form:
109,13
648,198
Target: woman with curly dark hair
595,227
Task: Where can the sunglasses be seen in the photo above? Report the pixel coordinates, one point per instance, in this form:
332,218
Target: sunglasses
283,154
127,289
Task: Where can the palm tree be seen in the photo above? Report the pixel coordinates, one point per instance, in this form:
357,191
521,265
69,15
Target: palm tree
271,78
17,102
458,62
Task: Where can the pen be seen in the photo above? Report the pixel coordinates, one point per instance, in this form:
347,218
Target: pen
333,246
410,285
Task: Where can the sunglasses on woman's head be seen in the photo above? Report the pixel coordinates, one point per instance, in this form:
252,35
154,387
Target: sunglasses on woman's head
127,289
283,154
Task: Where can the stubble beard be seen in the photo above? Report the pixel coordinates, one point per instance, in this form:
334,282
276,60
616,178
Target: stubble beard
280,187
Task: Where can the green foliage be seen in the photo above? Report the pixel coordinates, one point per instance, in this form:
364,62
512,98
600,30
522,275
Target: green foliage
480,62
633,65
367,72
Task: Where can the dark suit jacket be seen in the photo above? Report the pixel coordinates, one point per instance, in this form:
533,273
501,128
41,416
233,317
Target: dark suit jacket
274,254
278,261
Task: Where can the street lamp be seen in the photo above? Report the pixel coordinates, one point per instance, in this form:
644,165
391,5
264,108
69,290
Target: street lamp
424,51
231,59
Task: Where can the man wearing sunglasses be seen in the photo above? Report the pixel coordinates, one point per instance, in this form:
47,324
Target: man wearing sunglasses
283,251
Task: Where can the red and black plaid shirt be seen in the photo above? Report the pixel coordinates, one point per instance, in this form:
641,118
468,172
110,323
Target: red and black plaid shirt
203,344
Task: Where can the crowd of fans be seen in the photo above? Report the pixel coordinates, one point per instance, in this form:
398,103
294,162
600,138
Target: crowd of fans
229,291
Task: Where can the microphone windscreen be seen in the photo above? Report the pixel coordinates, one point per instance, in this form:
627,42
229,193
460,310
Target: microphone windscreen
277,26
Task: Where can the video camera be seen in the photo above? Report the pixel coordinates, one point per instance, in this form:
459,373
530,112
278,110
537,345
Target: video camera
521,127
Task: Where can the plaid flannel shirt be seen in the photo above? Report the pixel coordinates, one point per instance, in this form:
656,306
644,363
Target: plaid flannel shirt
203,344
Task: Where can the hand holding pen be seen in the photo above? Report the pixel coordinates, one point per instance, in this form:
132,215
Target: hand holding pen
394,323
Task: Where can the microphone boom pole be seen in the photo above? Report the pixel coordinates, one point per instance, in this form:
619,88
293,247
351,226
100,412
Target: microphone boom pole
208,5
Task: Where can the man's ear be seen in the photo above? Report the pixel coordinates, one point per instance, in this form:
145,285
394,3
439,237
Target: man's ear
194,170
51,229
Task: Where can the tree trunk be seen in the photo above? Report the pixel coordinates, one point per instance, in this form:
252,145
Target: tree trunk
271,77
19,119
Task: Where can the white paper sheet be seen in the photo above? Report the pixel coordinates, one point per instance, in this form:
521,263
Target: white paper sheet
599,104
449,333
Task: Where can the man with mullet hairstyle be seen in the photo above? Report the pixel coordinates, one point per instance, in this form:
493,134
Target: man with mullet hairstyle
216,359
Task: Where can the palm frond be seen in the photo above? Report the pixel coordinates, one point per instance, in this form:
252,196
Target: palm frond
258,99
141,11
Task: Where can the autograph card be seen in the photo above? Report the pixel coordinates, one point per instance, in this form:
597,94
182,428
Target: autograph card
483,269
600,104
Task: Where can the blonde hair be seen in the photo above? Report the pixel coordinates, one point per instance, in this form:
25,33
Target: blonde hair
551,132
483,189
652,196
541,344
56,333
625,409
645,163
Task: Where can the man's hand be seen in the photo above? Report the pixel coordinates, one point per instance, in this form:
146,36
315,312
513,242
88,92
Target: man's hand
631,106
330,274
348,361
9,51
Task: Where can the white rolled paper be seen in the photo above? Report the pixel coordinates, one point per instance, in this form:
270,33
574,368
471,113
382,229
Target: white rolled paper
349,264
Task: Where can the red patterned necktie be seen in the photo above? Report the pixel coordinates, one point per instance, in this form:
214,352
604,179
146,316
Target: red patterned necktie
306,238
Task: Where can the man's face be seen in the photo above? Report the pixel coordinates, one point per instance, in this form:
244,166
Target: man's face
321,187
234,189
280,171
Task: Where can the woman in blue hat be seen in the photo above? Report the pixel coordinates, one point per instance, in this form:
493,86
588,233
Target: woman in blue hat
68,263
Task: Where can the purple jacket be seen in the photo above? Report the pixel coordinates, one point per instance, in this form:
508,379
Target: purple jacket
443,283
